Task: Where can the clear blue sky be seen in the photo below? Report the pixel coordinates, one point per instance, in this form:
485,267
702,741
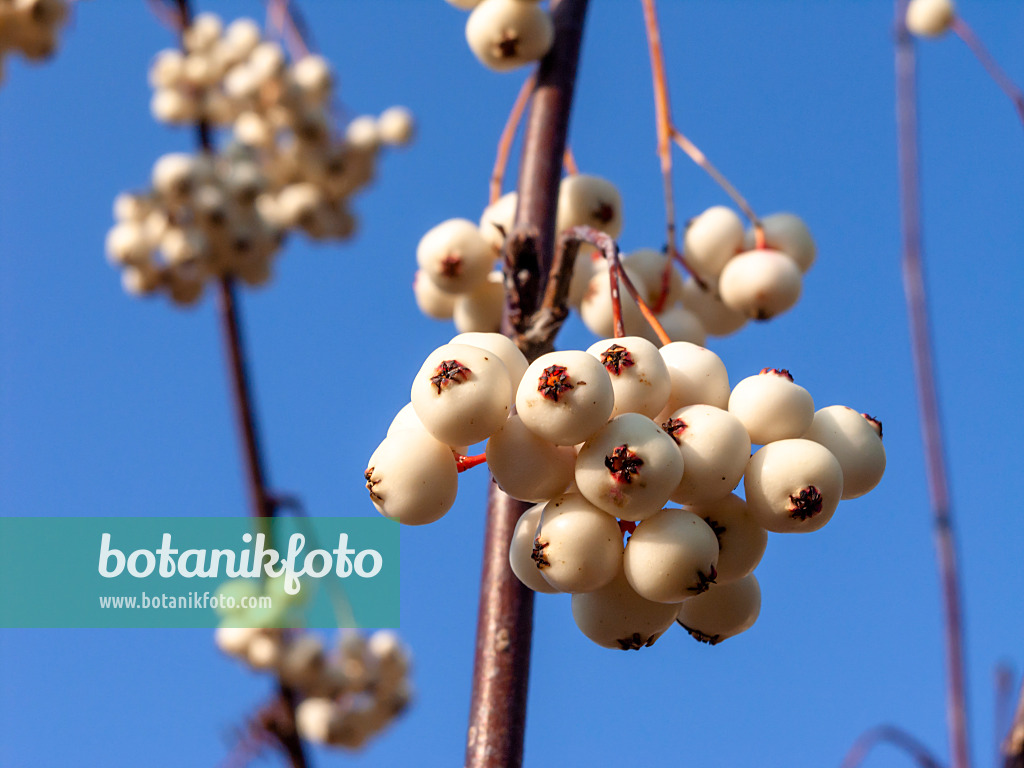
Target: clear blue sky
110,405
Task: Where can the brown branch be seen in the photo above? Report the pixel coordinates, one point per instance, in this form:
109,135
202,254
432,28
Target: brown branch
508,135
892,735
497,715
280,713
1010,88
924,369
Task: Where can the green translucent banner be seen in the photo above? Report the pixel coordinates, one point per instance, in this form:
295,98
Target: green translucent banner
198,572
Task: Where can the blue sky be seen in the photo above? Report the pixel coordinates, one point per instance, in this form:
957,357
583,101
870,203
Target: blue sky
110,405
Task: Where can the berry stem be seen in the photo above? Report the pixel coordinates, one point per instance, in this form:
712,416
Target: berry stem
963,30
569,162
924,368
899,738
668,133
468,462
285,18
497,711
508,135
610,250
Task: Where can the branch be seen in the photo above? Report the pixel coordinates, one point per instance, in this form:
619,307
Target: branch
280,714
895,736
924,368
508,135
497,716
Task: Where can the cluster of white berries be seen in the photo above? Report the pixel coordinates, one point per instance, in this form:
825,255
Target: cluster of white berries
737,280
30,27
288,167
601,440
744,280
204,217
930,18
348,694
507,34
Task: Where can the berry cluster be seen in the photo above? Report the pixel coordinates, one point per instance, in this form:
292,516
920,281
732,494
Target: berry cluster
349,695
601,440
204,217
507,34
736,277
751,279
225,215
30,27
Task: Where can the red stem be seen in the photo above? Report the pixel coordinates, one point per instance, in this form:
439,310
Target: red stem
924,368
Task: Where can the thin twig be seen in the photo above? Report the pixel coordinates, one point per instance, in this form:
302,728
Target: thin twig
291,28
997,73
899,738
497,711
924,369
616,274
668,132
508,135
569,162
281,712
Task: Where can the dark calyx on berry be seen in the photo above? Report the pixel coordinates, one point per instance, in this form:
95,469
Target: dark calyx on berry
778,372
448,374
637,641
805,504
554,380
538,555
615,358
704,581
623,464
674,428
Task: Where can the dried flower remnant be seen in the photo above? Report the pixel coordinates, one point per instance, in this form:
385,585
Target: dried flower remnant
604,212
783,372
636,642
539,553
451,265
805,504
623,464
448,374
674,427
699,636
876,424
704,581
370,483
507,46
615,358
554,380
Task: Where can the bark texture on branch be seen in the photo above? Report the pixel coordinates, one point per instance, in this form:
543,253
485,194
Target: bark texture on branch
501,670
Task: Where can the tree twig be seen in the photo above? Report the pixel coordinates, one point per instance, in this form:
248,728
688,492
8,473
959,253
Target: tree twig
508,135
924,369
963,30
890,734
